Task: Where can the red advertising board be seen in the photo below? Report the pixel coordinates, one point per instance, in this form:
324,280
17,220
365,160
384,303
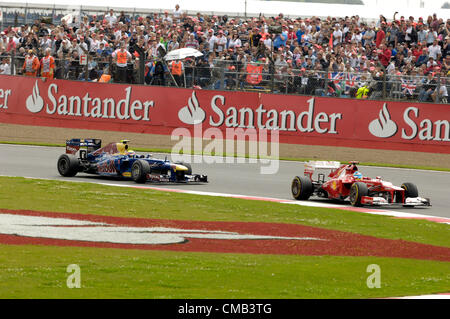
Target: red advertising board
408,126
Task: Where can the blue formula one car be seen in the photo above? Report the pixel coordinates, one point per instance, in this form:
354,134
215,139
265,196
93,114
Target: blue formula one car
117,160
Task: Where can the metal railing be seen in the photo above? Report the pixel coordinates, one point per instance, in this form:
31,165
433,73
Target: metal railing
234,76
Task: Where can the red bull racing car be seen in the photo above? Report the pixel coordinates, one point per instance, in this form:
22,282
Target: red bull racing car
116,159
347,183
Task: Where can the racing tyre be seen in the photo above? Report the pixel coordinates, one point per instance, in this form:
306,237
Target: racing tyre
189,167
68,165
357,191
139,171
302,188
410,190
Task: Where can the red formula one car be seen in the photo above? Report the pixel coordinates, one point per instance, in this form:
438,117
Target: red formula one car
346,182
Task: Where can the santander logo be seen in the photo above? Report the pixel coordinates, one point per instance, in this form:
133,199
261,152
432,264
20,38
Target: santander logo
34,102
123,106
192,114
383,126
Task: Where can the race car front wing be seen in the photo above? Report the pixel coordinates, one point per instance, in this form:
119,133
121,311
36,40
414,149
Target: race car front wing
409,201
187,178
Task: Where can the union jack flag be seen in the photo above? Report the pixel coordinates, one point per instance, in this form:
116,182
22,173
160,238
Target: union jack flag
352,80
408,86
337,78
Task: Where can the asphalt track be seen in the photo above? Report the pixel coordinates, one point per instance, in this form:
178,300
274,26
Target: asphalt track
232,178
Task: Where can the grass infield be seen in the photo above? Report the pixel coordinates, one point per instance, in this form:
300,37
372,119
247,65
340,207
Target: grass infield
40,272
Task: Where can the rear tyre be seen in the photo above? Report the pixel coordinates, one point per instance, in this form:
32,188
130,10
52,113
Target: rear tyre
68,165
302,188
139,171
357,191
410,190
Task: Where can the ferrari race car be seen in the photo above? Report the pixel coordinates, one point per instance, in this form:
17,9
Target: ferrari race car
346,182
116,159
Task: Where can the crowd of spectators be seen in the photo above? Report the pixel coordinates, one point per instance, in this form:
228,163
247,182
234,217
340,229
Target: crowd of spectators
333,56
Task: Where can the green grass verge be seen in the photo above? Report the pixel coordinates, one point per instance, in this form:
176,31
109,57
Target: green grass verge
40,272
294,159
88,198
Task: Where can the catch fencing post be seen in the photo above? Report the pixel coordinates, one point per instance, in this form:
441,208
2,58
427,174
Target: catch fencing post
438,88
141,72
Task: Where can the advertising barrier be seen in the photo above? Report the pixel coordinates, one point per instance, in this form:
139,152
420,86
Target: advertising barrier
159,110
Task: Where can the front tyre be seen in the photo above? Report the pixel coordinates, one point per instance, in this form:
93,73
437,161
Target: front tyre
410,190
68,165
302,188
139,171
357,191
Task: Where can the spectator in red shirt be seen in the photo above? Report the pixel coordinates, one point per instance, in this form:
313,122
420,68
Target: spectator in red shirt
416,50
381,34
11,46
291,34
384,55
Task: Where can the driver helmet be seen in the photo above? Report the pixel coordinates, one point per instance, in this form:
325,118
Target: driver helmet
357,175
131,153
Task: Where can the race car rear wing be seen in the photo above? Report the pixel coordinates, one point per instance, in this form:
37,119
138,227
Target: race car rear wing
91,144
311,166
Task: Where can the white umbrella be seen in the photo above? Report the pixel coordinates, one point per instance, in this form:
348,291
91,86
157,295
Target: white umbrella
179,54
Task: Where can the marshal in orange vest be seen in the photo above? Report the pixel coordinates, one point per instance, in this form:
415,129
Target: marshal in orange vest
122,57
176,68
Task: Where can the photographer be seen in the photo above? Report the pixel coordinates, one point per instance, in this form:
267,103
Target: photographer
376,86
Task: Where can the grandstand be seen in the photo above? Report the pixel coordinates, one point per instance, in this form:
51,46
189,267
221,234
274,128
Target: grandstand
369,12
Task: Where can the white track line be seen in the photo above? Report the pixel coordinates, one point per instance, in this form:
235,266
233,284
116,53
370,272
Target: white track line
435,296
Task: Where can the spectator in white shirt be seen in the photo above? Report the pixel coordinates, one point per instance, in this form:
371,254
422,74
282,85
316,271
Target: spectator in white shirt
220,42
45,43
166,17
111,18
422,33
173,43
356,37
434,50
211,39
234,41
177,12
369,35
5,67
337,35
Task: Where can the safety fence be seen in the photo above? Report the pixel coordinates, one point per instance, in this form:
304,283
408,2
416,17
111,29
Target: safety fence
250,77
